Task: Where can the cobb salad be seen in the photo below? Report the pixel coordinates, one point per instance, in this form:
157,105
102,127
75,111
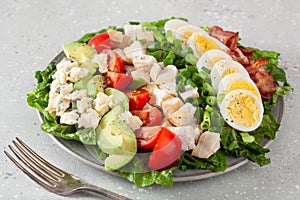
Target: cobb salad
153,97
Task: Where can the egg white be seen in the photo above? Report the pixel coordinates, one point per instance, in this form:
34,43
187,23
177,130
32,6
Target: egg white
209,58
184,32
173,25
235,123
222,67
229,79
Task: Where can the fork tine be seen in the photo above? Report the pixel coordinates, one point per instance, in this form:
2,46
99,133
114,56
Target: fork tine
46,163
49,180
29,174
38,168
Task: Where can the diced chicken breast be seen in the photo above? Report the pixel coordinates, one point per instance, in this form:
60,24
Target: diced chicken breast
150,87
84,104
158,97
189,92
123,56
77,73
102,103
145,35
184,116
188,135
144,62
167,75
132,30
171,105
135,49
89,119
208,144
69,118
155,71
134,122
169,87
139,73
101,60
116,38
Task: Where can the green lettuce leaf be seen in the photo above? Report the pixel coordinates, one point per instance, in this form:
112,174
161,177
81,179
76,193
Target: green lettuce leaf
216,162
233,144
268,128
138,173
39,96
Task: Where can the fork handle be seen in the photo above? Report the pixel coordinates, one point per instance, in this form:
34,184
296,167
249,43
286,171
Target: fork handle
104,192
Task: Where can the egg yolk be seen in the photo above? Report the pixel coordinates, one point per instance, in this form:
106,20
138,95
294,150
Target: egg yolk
242,84
213,61
230,71
203,44
186,35
243,109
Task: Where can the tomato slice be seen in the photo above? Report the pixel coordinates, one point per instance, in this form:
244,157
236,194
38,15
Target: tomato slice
118,80
147,137
149,117
114,61
166,151
137,99
100,42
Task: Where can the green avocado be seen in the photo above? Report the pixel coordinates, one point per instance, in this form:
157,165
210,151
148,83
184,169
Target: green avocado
115,138
91,66
119,98
94,85
80,52
82,83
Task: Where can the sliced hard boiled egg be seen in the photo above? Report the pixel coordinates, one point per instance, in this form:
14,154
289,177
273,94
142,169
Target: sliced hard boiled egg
209,58
242,110
173,25
223,68
237,81
184,32
202,42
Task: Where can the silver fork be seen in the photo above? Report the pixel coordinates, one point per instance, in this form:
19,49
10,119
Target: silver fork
50,177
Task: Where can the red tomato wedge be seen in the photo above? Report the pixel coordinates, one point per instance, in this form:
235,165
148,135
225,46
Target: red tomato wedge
137,99
114,61
166,151
149,117
100,42
147,137
118,80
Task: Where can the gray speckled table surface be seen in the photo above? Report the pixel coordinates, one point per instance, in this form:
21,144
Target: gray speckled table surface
32,33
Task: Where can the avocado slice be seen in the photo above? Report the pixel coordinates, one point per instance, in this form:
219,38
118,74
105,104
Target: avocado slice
91,66
109,141
94,85
82,83
119,98
80,52
128,147
115,138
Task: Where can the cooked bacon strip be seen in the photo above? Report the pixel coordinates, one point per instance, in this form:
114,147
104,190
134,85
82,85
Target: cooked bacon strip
230,39
227,37
263,79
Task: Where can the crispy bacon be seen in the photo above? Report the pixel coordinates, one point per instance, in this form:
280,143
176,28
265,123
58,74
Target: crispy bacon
263,79
230,39
227,37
